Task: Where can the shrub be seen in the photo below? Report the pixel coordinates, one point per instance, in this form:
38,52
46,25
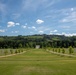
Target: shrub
59,50
5,52
63,50
16,51
11,51
70,50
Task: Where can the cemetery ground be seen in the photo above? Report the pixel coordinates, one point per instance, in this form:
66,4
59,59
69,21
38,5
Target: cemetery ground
36,62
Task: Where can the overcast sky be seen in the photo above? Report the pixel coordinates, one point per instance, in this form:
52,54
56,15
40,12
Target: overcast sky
28,17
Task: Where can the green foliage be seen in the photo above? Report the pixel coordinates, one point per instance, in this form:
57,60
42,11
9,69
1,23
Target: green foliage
70,50
56,50
63,51
31,41
11,51
20,45
19,50
5,52
53,49
59,50
16,51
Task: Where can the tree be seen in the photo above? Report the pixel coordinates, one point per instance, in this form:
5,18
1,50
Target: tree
53,49
20,45
63,50
5,52
19,50
59,50
16,51
56,50
70,50
11,51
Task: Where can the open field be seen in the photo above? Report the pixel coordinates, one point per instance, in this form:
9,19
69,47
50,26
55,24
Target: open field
37,62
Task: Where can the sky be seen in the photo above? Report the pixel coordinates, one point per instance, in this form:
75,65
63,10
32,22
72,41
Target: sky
29,17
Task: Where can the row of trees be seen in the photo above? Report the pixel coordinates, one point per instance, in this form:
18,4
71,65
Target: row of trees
62,50
11,51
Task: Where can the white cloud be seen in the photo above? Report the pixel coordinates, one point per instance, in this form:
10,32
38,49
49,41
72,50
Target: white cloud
3,8
24,26
33,27
17,24
41,32
1,30
64,33
34,5
29,27
70,18
15,31
54,31
68,34
39,21
72,9
10,24
31,32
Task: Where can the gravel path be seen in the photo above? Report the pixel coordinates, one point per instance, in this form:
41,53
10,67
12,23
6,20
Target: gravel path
62,54
12,54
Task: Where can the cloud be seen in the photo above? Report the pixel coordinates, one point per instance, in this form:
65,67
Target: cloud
52,2
33,27
72,9
24,26
31,32
15,31
65,34
41,32
54,31
39,21
71,17
1,30
10,24
68,34
34,5
2,7
17,24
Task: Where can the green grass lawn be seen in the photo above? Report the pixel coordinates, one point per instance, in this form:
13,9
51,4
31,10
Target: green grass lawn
37,62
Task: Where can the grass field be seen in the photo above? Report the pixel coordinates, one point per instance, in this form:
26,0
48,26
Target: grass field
37,62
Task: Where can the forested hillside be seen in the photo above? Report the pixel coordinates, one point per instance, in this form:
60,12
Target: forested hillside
33,40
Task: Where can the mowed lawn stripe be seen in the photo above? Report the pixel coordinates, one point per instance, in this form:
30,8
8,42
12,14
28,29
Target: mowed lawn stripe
37,62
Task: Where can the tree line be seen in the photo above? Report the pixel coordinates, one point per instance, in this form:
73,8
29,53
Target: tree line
30,41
